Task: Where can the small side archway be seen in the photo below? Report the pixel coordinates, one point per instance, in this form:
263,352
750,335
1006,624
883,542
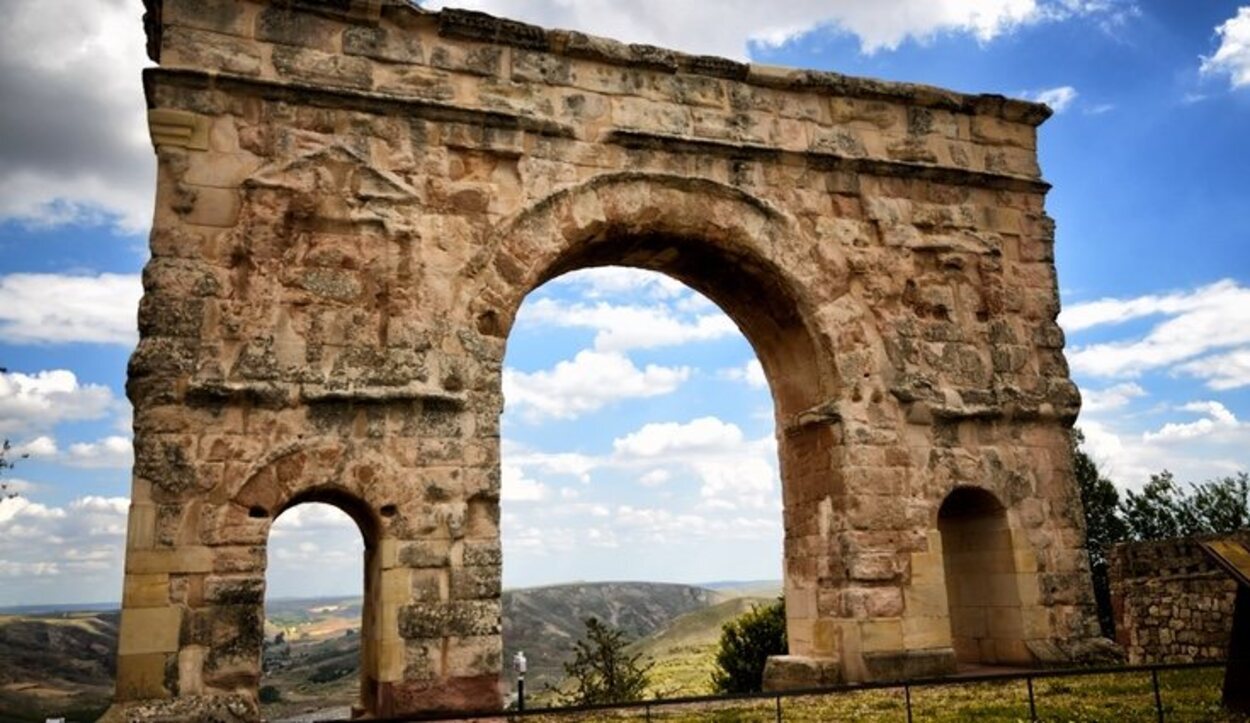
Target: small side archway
342,477
982,582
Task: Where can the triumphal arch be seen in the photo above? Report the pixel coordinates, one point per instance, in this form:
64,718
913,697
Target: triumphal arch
354,198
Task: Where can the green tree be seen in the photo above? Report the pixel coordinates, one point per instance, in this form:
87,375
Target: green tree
745,644
1103,526
1163,508
602,671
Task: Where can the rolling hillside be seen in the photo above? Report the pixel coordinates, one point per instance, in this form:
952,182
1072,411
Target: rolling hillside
546,621
63,663
60,663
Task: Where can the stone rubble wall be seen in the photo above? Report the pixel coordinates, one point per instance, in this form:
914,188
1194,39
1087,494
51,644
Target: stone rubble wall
1172,603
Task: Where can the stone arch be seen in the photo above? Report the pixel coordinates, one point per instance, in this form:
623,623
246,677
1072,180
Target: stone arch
983,586
721,241
359,481
738,251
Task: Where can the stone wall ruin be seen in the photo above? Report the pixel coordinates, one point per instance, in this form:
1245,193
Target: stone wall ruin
354,197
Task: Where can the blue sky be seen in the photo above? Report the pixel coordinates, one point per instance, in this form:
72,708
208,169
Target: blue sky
638,430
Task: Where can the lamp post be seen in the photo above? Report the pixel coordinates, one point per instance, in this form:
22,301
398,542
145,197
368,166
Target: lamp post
518,665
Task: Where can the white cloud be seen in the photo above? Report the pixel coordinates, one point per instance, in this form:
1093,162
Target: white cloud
665,526
1205,319
90,163
728,27
1232,58
113,452
751,373
1114,397
733,472
64,308
589,381
41,446
666,439
1059,99
30,402
1218,419
655,478
1217,444
608,281
516,487
69,553
1222,371
624,327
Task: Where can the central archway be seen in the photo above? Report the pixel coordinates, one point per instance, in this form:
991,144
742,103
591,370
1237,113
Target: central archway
723,243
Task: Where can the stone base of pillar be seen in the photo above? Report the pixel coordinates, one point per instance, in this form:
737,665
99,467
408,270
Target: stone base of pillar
191,709
908,664
1079,651
796,672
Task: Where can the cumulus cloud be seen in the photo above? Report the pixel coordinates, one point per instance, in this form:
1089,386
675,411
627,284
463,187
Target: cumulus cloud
113,452
731,27
1196,322
589,381
41,446
659,439
65,308
609,281
655,478
624,327
1059,99
1113,397
1212,445
733,472
516,487
36,402
73,133
1218,418
1232,58
1221,371
71,553
751,373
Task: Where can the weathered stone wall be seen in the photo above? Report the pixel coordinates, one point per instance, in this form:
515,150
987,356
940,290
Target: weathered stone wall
354,197
1172,603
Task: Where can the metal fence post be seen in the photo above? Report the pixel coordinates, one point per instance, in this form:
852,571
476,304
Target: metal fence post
1154,677
648,709
779,709
1032,703
907,700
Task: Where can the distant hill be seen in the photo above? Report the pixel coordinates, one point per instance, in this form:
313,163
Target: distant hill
63,663
60,664
683,651
546,621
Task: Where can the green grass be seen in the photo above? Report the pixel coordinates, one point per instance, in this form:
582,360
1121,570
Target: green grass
1187,695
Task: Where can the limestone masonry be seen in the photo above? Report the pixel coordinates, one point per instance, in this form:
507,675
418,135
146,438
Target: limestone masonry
354,198
1172,603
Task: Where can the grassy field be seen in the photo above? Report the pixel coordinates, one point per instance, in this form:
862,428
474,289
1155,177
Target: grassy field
1190,695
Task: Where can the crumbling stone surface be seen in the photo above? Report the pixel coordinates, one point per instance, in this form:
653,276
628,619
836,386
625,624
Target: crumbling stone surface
355,196
1172,603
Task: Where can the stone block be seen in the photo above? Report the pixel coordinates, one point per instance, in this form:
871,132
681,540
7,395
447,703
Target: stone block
212,206
461,618
794,672
186,559
149,630
146,591
313,66
878,635
141,676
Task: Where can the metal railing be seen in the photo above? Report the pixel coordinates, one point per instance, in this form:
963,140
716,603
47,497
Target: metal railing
645,708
